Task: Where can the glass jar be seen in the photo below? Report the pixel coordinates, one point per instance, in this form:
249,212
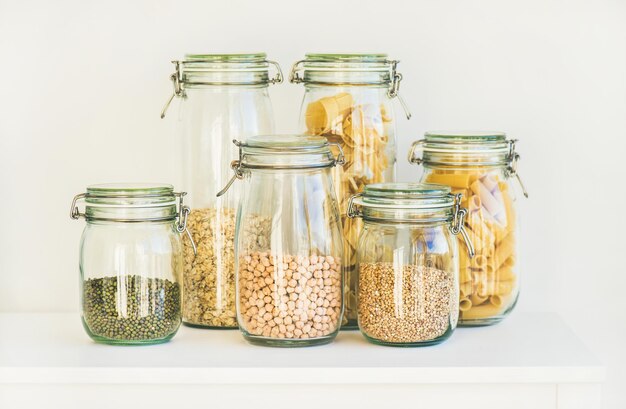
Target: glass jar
289,243
223,97
131,262
408,262
480,166
347,99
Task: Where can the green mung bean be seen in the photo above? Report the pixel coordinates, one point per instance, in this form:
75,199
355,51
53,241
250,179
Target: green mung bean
131,308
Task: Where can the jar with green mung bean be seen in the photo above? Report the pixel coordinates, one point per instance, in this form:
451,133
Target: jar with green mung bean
131,262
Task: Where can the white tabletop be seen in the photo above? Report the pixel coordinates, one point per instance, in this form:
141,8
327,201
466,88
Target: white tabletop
526,347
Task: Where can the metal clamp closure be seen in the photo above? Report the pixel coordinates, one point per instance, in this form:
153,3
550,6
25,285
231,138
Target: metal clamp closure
75,214
181,224
294,78
341,158
236,167
178,88
413,151
352,209
513,158
458,224
278,78
394,89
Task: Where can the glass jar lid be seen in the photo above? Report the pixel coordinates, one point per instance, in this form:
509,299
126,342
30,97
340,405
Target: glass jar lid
130,202
351,70
452,148
420,197
411,203
346,69
283,152
287,152
209,70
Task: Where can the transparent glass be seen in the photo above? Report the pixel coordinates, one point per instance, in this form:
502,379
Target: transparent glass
407,285
489,282
130,272
289,254
360,118
226,98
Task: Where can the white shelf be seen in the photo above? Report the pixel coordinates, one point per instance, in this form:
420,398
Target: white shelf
535,349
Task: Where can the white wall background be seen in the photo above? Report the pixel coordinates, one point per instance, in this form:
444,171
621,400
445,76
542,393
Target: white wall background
83,84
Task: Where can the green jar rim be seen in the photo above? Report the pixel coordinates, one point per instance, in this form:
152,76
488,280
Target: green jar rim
286,152
129,190
407,196
346,57
226,58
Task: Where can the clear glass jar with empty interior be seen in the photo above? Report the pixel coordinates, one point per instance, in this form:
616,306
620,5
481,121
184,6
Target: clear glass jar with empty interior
289,243
347,100
480,165
408,262
131,262
223,97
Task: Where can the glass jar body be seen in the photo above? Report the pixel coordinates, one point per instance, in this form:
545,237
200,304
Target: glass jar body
289,258
130,281
211,117
407,283
361,120
489,282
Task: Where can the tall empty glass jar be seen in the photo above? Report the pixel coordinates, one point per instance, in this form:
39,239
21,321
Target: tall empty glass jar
481,166
408,262
289,243
223,97
131,262
347,99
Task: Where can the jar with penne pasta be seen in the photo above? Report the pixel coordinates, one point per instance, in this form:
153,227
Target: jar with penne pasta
481,167
408,262
348,101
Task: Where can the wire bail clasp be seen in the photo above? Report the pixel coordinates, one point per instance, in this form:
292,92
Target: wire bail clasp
75,213
513,158
278,78
341,158
178,87
394,89
181,223
352,211
236,167
413,151
294,77
458,224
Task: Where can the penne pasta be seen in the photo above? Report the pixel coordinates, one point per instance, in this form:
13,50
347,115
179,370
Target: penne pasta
479,261
495,287
496,301
465,304
505,273
504,250
490,182
482,311
477,300
487,199
455,180
465,275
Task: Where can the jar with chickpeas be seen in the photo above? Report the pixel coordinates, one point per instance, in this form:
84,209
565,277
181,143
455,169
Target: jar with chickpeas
289,242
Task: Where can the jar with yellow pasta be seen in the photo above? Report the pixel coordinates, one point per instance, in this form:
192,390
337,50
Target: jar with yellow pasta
480,166
348,100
